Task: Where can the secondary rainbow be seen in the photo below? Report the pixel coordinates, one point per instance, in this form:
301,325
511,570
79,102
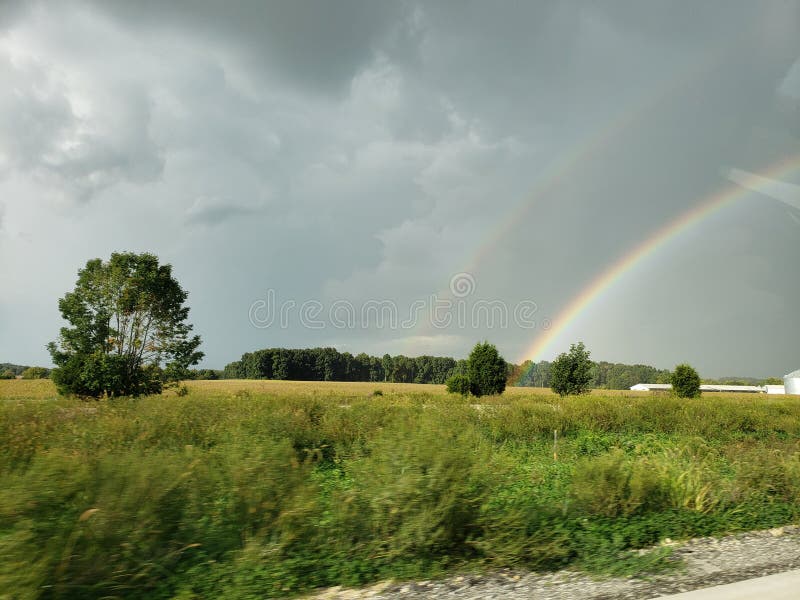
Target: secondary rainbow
560,169
601,284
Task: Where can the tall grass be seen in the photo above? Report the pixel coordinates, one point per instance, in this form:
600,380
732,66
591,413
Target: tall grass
249,489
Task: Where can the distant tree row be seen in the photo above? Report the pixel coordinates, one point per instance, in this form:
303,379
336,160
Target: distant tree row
604,375
11,371
204,374
328,364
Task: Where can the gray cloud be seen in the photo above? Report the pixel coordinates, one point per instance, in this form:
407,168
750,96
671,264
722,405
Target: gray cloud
312,43
213,211
59,131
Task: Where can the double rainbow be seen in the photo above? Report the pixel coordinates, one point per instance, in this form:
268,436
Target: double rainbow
661,238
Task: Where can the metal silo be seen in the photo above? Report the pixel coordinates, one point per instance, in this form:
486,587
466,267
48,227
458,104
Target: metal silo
791,382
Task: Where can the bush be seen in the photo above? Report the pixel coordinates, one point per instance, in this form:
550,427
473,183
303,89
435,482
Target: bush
458,384
571,373
686,382
487,370
613,485
7,374
33,373
98,374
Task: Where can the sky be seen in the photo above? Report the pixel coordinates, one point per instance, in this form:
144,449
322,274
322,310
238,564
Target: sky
412,177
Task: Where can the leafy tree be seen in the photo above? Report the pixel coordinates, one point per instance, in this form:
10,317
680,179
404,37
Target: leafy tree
128,333
685,382
458,384
773,381
376,369
486,370
233,370
402,369
7,374
571,372
34,373
386,363
280,364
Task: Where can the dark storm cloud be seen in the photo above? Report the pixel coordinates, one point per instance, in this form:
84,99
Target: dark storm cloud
311,42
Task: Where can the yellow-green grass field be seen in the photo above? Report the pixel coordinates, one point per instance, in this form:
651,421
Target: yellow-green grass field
247,489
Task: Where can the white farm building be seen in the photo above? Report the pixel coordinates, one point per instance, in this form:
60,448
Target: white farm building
663,387
791,385
791,382
736,389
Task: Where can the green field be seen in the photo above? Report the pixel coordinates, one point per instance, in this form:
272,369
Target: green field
252,489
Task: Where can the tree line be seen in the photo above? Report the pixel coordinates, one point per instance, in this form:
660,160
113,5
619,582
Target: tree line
328,364
604,375
12,371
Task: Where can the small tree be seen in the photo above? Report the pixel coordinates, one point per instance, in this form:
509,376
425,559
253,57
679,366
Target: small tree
34,373
486,370
458,384
571,372
685,382
128,333
7,374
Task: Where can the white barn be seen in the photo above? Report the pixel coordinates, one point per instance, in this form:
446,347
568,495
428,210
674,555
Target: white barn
791,382
735,389
651,387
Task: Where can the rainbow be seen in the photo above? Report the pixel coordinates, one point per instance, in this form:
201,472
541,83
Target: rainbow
561,168
603,282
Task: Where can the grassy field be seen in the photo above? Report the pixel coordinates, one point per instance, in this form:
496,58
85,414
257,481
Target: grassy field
248,489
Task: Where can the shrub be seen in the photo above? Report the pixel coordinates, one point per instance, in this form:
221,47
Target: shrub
458,384
418,490
98,374
487,370
7,374
33,373
614,485
571,373
686,382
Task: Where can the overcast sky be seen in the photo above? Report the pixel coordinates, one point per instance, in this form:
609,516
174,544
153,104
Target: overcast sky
337,153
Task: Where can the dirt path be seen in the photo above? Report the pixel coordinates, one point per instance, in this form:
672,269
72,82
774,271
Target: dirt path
708,562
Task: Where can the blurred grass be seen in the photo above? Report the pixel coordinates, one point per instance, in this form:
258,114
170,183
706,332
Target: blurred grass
263,489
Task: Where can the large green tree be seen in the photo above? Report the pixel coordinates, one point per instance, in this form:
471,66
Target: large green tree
128,333
487,370
571,372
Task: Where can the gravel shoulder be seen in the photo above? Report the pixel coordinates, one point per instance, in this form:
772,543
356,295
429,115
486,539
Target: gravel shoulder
706,562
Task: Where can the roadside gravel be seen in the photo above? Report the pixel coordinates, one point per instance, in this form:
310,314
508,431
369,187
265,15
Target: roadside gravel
707,562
